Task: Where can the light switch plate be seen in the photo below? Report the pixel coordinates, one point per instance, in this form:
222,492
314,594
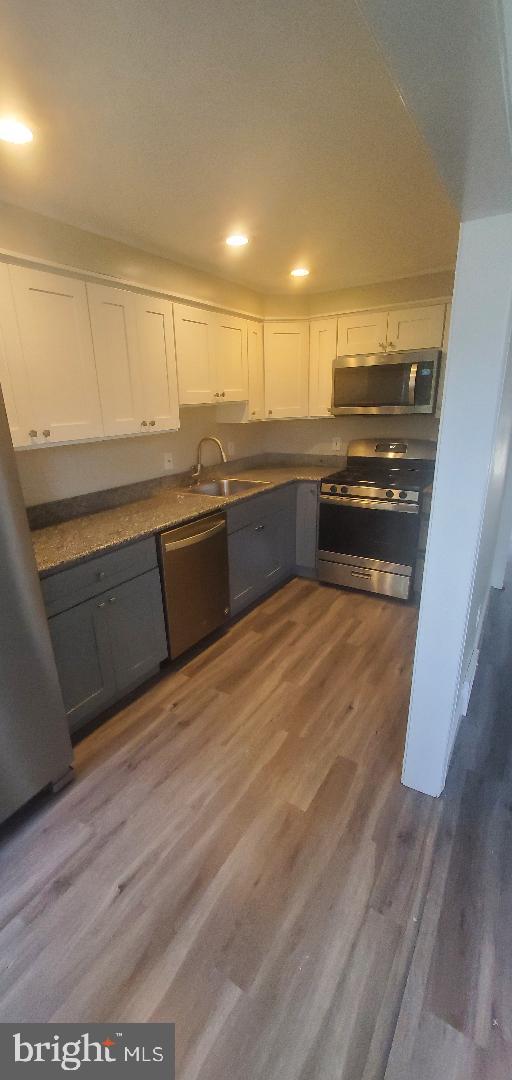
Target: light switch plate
337,444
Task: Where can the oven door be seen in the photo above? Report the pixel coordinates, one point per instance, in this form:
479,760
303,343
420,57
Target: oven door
368,543
385,383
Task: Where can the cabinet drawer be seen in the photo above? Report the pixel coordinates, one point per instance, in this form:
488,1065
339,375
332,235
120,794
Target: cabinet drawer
69,587
255,508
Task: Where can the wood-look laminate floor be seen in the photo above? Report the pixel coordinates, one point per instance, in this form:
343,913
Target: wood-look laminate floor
238,855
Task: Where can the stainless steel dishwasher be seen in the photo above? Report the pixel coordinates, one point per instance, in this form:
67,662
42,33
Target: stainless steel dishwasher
195,579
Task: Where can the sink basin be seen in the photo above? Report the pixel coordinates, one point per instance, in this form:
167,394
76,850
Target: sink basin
225,487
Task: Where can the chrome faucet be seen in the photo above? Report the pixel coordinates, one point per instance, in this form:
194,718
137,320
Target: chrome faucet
196,472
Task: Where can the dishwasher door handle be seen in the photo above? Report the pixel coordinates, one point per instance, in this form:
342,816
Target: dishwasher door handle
196,538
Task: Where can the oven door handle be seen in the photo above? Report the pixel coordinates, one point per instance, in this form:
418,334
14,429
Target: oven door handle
370,504
413,374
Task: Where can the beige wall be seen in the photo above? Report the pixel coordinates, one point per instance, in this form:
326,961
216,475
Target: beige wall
38,237
61,471
401,291
317,436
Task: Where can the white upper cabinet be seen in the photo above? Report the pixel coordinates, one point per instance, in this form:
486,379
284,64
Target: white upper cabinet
256,403
364,332
416,328
56,343
230,358
114,332
322,354
286,370
157,357
134,349
12,369
195,331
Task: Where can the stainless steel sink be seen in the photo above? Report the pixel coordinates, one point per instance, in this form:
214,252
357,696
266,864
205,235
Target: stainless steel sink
225,487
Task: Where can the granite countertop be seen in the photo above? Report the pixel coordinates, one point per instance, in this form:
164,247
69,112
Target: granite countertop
70,542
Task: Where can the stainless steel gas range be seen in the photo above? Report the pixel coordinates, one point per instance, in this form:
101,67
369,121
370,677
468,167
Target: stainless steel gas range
370,513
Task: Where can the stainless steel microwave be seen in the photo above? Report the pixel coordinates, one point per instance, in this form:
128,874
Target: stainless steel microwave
393,382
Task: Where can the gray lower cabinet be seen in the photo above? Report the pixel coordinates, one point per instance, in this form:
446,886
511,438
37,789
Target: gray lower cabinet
307,528
82,654
261,554
107,645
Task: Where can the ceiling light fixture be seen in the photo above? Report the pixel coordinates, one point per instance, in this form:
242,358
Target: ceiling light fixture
300,271
13,131
237,240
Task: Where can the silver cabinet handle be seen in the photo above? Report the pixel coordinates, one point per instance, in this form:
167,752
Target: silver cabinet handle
253,412
100,574
152,423
223,394
101,604
382,345
112,599
143,423
33,433
216,395
391,344
258,528
46,433
360,573
270,412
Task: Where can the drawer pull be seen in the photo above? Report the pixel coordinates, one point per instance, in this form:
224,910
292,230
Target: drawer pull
112,599
361,573
46,433
143,423
258,528
33,433
100,574
152,423
101,604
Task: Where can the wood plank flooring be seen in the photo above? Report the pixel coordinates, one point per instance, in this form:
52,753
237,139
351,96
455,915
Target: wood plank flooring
237,854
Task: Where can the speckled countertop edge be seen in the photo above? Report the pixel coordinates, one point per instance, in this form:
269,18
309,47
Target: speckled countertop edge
61,546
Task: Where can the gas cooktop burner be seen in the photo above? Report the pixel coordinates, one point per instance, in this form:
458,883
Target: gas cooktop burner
379,478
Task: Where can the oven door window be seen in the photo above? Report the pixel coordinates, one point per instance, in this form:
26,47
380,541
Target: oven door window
371,385
368,534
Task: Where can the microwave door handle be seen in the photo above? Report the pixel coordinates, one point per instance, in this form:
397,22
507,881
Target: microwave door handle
413,373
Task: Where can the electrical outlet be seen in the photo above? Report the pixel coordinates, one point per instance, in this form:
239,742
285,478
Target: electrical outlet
337,444
231,449
168,462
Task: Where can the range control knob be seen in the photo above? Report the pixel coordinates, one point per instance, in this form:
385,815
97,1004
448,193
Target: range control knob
389,494
333,488
402,495
343,490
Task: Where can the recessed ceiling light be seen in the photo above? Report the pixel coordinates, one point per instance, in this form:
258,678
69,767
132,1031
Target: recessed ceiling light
13,131
237,240
300,271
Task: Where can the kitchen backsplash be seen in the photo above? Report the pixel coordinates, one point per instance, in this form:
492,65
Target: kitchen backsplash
60,472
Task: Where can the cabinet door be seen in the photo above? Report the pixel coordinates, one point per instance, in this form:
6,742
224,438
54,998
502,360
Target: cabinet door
137,629
194,355
286,370
307,519
57,349
363,332
416,328
81,645
322,354
255,366
442,371
12,369
157,363
114,331
244,567
231,358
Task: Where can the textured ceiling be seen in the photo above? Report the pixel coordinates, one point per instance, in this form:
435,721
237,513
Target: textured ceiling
169,125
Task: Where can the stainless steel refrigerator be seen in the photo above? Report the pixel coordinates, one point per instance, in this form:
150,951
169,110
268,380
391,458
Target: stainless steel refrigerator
35,747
